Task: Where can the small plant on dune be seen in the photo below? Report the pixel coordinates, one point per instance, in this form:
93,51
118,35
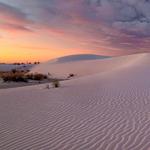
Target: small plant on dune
47,86
56,83
14,71
71,75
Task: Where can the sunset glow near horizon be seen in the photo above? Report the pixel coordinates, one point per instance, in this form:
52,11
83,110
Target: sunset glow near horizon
41,30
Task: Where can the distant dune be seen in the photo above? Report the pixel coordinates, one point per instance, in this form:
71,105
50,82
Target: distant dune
76,64
9,67
80,57
82,67
106,107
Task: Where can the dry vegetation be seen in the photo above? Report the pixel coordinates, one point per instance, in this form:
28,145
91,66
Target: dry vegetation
21,76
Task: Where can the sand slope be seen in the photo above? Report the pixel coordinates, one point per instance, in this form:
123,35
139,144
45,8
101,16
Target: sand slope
87,67
107,110
77,64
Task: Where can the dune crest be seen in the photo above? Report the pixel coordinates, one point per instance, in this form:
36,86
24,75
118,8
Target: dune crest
79,57
87,67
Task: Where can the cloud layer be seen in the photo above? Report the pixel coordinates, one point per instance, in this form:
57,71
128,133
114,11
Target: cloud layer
12,18
116,26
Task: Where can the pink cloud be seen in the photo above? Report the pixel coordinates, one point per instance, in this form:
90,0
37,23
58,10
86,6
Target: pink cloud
13,19
94,24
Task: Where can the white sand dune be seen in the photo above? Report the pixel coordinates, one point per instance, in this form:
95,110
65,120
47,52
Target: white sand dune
86,67
76,64
79,57
9,67
106,110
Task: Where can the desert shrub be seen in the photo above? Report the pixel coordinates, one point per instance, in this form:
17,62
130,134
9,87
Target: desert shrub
56,83
13,70
36,63
47,86
30,76
40,77
14,77
71,75
21,76
36,76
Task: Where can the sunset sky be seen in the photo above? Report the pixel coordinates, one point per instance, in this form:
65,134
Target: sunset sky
38,30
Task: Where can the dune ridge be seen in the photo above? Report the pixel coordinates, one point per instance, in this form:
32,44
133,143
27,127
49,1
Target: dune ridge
87,67
78,57
105,109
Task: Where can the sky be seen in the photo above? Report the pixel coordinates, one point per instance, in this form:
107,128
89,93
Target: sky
38,30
